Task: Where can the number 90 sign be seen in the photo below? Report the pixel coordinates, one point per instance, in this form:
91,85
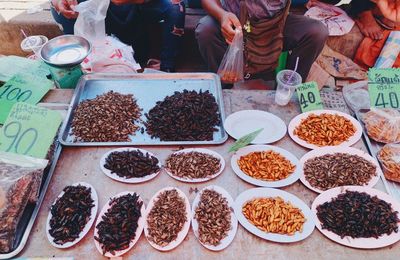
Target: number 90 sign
21,141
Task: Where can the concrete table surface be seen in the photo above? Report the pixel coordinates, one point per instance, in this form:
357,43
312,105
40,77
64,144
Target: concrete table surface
82,164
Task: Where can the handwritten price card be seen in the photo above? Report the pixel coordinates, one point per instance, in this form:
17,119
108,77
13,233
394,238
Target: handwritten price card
384,88
22,88
309,97
29,130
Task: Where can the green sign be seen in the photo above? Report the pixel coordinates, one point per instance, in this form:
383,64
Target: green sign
29,130
11,65
309,97
384,88
22,88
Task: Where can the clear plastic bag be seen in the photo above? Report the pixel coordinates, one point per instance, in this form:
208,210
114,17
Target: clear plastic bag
389,156
231,67
109,54
90,23
356,95
383,125
19,176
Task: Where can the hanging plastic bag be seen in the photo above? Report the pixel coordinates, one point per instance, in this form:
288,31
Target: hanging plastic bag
383,125
91,19
108,53
231,67
389,156
19,176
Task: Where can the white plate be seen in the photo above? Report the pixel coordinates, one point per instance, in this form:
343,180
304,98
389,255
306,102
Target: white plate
122,179
348,150
234,222
182,234
297,120
366,243
259,148
199,150
246,121
255,193
138,230
88,225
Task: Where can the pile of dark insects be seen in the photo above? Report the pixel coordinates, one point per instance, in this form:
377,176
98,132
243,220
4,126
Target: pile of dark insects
213,215
339,169
167,218
110,117
131,164
357,214
70,214
184,116
118,225
192,165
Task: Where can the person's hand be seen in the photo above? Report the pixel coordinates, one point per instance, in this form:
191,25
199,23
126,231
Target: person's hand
389,8
65,7
123,2
229,22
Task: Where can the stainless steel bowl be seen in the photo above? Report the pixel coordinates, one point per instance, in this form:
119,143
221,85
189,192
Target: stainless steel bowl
65,51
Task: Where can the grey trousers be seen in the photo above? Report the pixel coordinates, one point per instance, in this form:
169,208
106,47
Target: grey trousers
303,38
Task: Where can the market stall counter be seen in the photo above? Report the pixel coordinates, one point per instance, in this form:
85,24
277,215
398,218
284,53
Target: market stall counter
81,164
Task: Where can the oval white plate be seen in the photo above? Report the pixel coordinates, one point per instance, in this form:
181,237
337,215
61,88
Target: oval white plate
251,194
234,222
366,243
328,150
182,234
259,148
297,120
246,121
122,179
138,230
88,224
200,150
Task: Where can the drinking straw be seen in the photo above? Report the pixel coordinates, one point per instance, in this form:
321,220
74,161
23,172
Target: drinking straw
295,70
29,41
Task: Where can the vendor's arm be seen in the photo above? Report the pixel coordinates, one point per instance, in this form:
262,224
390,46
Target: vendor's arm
229,21
389,8
65,7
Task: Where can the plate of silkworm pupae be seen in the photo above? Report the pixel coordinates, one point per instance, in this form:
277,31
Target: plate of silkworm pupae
274,215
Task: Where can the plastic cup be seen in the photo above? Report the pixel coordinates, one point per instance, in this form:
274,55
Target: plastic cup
287,82
33,43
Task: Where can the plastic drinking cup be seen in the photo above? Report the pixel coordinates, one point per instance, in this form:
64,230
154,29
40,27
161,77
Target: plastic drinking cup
287,82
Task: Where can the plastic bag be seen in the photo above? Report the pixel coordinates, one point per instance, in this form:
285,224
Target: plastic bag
231,68
389,156
356,95
383,125
108,53
90,23
19,176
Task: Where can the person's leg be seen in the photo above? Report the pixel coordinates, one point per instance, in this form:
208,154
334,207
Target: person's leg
304,38
212,45
173,14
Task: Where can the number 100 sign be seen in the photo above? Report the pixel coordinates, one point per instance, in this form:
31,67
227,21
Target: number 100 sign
29,130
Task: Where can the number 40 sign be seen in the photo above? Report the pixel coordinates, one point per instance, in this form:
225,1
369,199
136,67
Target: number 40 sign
384,88
29,130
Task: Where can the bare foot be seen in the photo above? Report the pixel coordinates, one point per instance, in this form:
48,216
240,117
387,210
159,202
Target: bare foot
368,25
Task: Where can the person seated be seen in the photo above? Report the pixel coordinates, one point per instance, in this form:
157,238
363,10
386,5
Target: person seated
303,37
127,19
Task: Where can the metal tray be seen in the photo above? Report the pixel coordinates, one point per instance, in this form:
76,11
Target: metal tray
147,89
31,210
374,147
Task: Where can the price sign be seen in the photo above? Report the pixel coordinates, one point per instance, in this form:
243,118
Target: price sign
29,130
384,88
22,88
309,97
